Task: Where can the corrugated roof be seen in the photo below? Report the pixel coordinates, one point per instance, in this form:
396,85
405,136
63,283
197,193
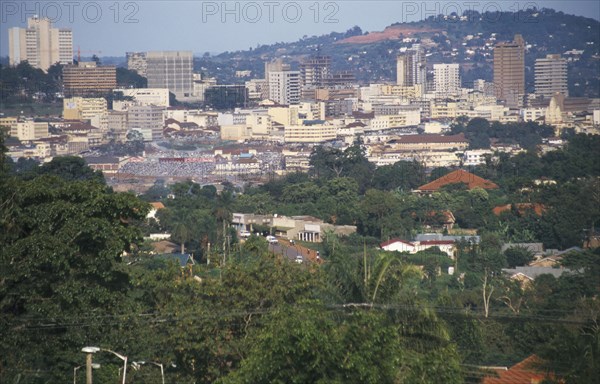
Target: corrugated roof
395,240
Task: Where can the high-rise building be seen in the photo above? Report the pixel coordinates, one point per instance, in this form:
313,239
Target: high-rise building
411,67
40,44
446,80
551,76
136,61
284,87
509,71
315,70
172,70
89,79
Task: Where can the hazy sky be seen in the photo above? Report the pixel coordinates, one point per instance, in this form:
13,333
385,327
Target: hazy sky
111,28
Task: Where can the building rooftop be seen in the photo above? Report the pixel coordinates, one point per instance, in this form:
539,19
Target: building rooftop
459,176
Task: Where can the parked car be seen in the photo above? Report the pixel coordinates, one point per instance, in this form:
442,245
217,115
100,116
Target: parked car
245,234
272,239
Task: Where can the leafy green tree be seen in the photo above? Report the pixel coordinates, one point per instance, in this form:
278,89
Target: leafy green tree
60,270
70,168
518,256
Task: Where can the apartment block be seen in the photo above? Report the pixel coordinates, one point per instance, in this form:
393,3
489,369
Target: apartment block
40,44
29,130
136,61
146,119
284,87
446,80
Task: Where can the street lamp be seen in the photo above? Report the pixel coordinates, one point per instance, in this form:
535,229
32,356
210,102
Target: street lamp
162,371
94,366
92,350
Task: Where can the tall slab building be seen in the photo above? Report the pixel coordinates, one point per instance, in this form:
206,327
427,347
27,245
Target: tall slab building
551,76
40,44
509,71
411,67
172,70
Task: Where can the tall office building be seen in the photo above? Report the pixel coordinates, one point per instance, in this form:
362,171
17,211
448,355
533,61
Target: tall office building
89,79
136,61
446,80
411,67
551,76
284,87
509,71
172,70
315,71
40,44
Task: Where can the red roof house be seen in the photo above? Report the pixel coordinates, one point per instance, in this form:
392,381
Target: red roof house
459,176
527,371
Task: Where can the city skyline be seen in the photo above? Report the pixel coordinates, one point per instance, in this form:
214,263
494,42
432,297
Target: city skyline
98,27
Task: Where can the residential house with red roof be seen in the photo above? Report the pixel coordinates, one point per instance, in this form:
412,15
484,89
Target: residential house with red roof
457,177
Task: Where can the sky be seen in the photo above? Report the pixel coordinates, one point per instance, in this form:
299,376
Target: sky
111,28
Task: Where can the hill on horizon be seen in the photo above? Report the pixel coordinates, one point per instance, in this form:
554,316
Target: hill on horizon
466,39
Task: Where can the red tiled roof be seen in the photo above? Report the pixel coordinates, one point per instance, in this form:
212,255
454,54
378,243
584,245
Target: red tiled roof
524,372
396,240
459,176
157,205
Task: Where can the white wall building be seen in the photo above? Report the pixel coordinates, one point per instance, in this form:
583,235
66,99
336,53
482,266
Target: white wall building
284,87
446,80
40,44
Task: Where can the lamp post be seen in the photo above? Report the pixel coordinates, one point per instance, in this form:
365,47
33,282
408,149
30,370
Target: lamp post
94,366
92,350
162,371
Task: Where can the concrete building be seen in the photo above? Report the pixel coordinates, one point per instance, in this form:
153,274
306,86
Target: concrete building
284,87
509,71
172,70
29,130
87,108
83,108
136,61
310,133
411,67
146,119
551,76
40,44
446,80
315,70
117,126
89,79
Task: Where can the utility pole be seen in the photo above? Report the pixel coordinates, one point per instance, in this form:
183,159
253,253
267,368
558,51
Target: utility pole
88,368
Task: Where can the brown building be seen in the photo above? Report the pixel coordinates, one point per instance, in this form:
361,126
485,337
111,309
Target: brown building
509,71
88,79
